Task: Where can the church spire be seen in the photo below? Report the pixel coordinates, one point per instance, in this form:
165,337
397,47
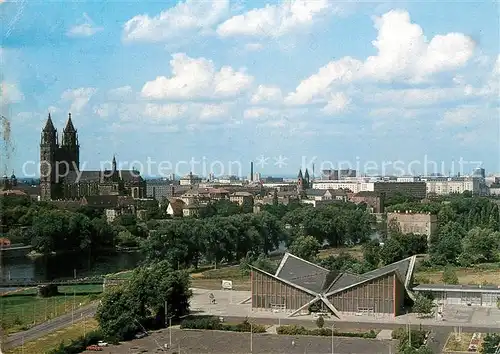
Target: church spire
49,126
70,128
113,164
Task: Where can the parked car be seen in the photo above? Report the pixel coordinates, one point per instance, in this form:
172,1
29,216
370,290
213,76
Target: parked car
102,344
140,335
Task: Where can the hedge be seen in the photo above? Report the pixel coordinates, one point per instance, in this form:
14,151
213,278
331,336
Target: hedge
78,345
294,330
213,323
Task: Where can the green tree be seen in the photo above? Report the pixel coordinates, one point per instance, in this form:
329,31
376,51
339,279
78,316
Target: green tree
262,262
119,314
305,247
449,276
392,251
124,309
480,245
423,305
491,343
446,245
371,253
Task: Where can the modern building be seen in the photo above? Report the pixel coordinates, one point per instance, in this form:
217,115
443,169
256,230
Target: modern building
190,180
389,188
466,295
298,285
160,189
479,172
450,185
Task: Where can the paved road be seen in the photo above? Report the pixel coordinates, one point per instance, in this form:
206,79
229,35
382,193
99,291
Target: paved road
53,325
216,342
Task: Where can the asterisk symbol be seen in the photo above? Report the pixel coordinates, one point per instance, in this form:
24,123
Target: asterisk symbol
262,161
280,161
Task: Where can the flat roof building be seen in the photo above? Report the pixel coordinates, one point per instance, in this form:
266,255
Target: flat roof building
299,284
467,295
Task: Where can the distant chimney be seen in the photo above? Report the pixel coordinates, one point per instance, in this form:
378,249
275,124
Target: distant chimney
251,171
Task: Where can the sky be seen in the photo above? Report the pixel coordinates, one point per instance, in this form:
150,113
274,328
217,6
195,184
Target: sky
211,85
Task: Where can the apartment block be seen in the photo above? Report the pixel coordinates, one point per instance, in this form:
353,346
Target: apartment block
416,223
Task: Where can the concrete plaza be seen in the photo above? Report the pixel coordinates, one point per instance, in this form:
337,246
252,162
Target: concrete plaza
229,304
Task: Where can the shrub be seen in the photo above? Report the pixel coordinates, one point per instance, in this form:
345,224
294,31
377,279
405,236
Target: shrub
78,345
320,322
205,322
213,323
294,330
398,333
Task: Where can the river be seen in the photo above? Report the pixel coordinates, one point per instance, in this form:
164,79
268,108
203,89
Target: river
67,265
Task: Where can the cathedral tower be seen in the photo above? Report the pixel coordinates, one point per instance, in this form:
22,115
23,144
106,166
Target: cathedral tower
307,180
70,146
48,149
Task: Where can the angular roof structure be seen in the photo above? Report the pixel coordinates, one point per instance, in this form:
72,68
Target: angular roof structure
321,282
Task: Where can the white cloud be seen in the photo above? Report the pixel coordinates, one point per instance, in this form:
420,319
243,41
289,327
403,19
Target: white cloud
337,103
390,112
404,54
185,17
258,113
461,116
415,97
85,29
120,93
165,112
265,94
10,93
275,20
253,47
214,112
79,98
105,110
197,78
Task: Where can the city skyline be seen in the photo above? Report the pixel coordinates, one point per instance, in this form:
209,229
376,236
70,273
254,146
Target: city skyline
336,81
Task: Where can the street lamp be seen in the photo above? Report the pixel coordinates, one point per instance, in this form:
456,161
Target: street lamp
251,337
333,326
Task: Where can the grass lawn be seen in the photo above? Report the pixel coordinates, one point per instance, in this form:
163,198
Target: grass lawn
211,279
458,343
465,276
51,341
20,312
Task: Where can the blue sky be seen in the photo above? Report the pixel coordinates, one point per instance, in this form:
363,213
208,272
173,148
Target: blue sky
307,80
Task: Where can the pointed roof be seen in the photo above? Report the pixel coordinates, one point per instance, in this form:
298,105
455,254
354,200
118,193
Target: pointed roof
306,175
300,174
70,128
49,126
319,280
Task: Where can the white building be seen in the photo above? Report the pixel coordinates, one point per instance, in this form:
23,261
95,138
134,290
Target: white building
454,185
408,179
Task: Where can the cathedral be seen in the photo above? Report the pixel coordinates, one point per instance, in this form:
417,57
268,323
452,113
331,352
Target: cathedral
62,179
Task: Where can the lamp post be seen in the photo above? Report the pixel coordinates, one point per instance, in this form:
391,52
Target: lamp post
170,331
333,348
251,337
